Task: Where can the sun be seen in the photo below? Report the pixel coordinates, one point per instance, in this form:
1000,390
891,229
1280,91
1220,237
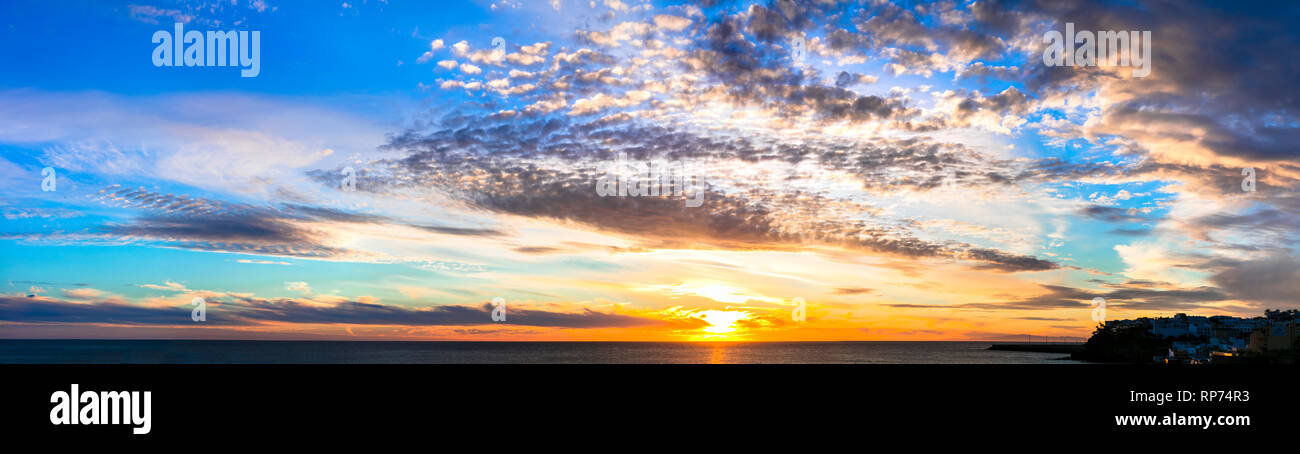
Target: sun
722,322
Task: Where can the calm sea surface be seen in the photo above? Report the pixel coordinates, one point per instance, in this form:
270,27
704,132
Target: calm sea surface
354,352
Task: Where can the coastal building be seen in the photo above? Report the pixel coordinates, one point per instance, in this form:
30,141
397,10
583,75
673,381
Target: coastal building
1117,325
1224,327
1177,326
1199,339
1277,337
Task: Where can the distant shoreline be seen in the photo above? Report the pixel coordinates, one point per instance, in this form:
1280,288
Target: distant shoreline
66,351
1039,347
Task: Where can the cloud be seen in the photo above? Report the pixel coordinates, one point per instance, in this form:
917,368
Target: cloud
249,311
83,293
671,23
1199,80
263,262
853,291
167,286
298,287
1272,280
293,230
150,14
461,231
488,171
1113,214
1134,297
53,311
243,144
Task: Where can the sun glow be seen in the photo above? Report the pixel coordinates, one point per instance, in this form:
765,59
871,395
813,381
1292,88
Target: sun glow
722,322
717,292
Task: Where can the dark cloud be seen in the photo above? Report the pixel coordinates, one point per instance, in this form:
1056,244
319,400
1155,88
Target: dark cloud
227,311
537,250
74,284
48,310
852,291
331,214
1003,261
727,221
356,313
219,228
461,231
261,233
548,168
1130,232
1132,297
776,25
1220,68
213,225
1271,221
1112,214
1273,279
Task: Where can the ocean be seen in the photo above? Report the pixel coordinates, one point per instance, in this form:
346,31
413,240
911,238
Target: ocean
369,352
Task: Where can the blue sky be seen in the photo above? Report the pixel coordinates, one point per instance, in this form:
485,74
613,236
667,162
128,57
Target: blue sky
308,51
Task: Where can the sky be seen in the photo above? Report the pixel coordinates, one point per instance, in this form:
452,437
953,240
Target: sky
823,170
